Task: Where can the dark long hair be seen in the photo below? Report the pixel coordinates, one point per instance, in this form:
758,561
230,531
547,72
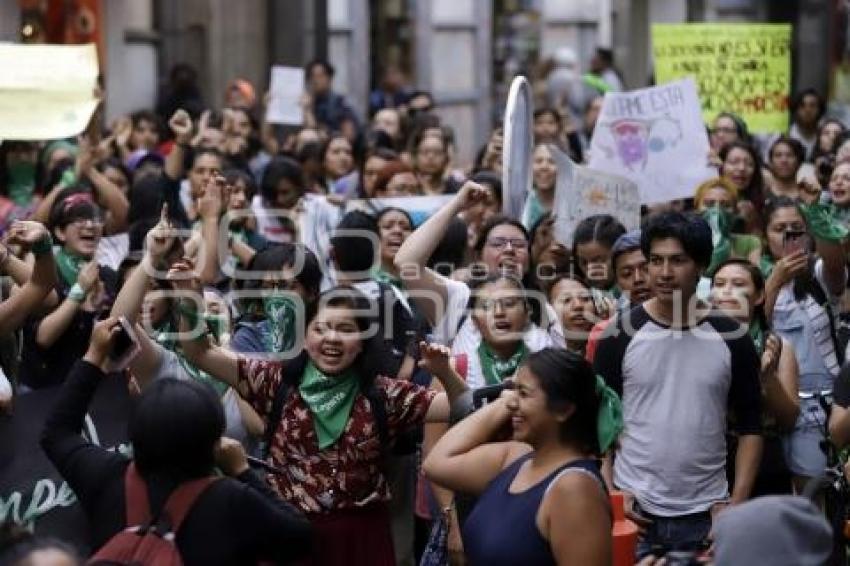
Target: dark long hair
568,379
759,315
755,191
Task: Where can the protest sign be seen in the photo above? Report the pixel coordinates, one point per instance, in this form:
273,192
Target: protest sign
517,148
419,208
740,68
581,192
46,91
285,89
32,492
654,137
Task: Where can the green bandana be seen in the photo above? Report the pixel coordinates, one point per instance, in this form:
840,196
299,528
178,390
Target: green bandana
21,183
495,370
330,399
609,420
389,279
822,223
163,339
69,265
758,336
766,265
281,313
720,222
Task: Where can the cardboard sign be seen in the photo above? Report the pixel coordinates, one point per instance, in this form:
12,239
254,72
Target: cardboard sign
654,137
581,192
740,68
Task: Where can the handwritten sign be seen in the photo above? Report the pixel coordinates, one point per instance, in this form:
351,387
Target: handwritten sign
654,137
32,492
285,89
46,91
742,68
581,192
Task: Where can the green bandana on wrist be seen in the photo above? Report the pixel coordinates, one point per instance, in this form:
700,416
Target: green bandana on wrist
720,222
69,265
822,224
609,421
330,399
280,313
496,370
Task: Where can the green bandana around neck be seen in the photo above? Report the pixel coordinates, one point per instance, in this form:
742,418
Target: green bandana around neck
21,183
496,370
280,313
330,399
758,335
720,221
69,265
609,420
389,279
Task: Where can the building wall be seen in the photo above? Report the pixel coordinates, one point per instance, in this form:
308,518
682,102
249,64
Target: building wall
131,56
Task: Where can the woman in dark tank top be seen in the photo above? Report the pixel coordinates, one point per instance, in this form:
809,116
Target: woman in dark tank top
542,499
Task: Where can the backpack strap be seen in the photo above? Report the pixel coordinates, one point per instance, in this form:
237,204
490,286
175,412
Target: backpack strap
136,497
182,499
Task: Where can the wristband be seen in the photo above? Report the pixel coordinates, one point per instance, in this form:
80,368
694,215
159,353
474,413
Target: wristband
42,246
77,293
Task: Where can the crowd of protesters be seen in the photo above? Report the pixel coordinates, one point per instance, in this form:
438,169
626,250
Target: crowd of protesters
454,387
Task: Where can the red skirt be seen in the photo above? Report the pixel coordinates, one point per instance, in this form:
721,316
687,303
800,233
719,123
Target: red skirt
352,537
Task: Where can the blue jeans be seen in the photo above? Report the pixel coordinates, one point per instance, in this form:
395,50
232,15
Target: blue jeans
686,533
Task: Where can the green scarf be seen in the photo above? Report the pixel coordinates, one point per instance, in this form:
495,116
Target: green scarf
280,313
766,265
494,369
609,420
330,399
69,265
162,338
758,336
21,182
720,222
389,279
822,222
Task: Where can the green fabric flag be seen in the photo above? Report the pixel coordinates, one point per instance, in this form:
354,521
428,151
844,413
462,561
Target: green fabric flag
822,222
720,222
389,279
758,336
494,369
609,421
69,265
330,399
21,183
280,313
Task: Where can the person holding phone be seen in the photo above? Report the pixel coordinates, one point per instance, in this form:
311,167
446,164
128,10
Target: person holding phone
176,430
805,279
737,288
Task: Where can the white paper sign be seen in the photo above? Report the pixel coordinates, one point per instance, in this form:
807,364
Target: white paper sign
285,89
518,146
655,137
581,192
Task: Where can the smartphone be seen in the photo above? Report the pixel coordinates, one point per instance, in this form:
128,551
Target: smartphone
125,346
488,394
794,241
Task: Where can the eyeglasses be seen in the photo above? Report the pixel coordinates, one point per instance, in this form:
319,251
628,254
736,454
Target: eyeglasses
502,243
505,303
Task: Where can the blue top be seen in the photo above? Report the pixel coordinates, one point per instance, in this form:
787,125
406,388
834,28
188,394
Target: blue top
502,528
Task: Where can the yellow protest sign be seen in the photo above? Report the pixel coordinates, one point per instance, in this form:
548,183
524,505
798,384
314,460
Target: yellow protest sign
741,68
46,91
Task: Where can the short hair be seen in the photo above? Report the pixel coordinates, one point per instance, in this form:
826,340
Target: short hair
72,204
278,256
495,222
795,145
550,111
627,243
721,182
206,150
801,96
355,252
278,169
607,55
324,64
233,175
494,180
174,428
691,231
140,116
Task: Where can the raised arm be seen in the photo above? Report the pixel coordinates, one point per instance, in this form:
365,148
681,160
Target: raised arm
42,280
219,362
417,249
210,207
436,358
181,124
110,197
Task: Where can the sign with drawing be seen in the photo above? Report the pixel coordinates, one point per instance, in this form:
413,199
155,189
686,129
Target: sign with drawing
654,137
581,192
